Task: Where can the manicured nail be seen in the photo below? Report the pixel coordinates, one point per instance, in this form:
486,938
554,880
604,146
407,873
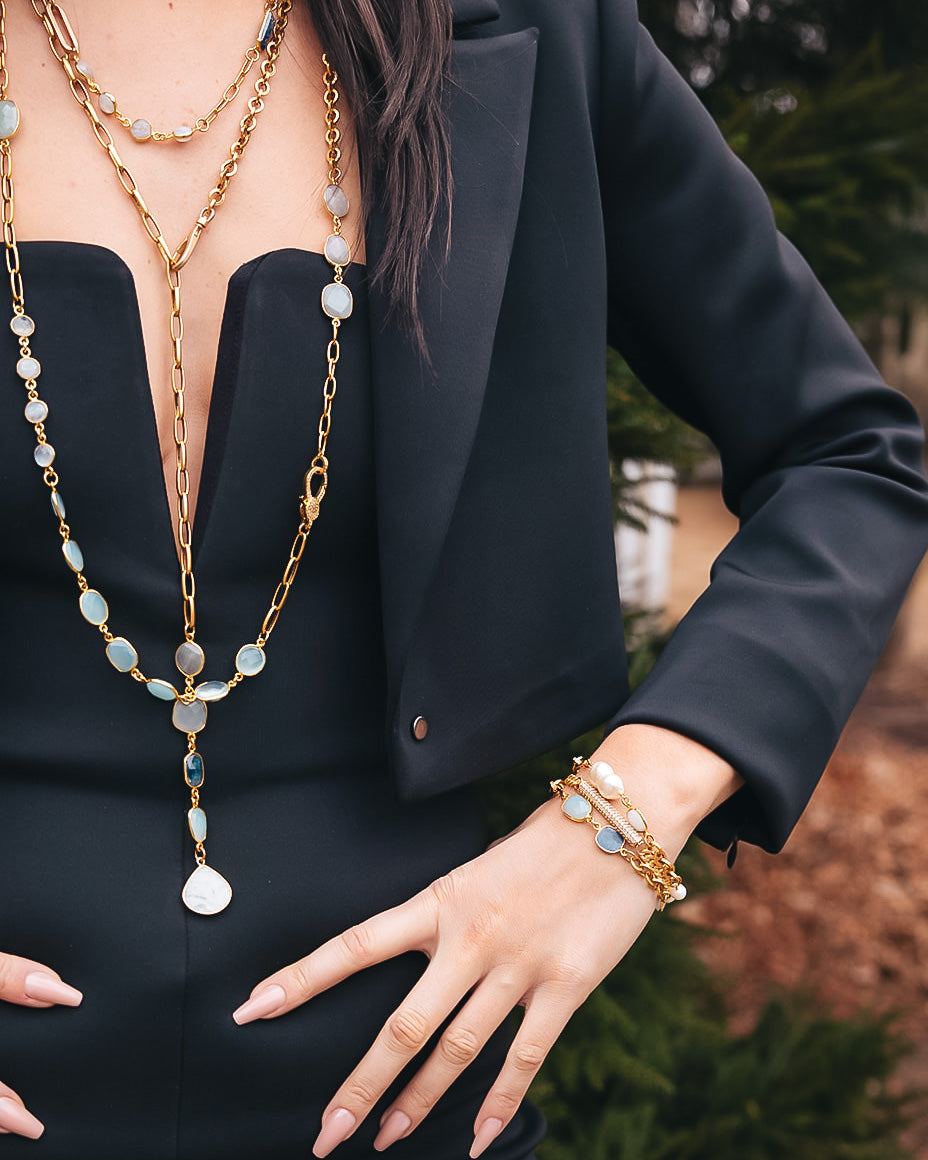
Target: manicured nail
395,1126
45,989
15,1118
266,1002
489,1130
336,1128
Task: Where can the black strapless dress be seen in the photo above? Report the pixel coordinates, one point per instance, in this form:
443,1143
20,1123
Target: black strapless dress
303,818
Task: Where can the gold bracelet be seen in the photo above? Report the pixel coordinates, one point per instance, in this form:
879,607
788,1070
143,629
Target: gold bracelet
626,834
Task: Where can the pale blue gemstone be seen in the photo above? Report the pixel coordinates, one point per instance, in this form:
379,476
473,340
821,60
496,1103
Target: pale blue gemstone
577,808
250,660
189,717
73,555
22,325
9,118
337,301
196,820
190,658
122,655
163,690
44,455
36,411
58,505
28,368
212,691
336,250
336,200
93,607
609,840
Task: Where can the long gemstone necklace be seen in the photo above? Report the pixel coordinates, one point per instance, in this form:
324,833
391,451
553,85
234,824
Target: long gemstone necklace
205,891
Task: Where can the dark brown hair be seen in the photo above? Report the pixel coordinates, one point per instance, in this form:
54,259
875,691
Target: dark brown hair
392,58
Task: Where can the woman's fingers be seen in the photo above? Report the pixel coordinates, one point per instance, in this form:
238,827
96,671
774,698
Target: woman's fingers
32,984
408,927
14,1117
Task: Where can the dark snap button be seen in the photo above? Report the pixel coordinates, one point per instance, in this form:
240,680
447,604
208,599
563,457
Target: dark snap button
420,728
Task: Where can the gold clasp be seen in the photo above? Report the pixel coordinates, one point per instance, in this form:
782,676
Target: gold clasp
310,500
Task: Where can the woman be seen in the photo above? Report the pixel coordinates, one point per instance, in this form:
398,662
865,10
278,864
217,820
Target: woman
459,577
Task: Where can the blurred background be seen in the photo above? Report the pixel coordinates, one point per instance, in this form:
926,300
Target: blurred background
780,1013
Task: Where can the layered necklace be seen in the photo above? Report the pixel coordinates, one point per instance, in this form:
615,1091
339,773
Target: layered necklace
206,891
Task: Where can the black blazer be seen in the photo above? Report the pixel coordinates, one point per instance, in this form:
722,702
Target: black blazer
595,201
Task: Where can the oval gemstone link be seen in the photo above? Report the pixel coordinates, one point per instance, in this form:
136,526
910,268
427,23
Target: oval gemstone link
93,607
162,690
250,660
635,819
337,300
337,251
22,325
196,820
84,69
121,655
140,129
58,505
183,133
107,103
211,691
336,200
28,368
9,118
73,555
194,770
189,716
36,411
44,455
577,808
610,841
190,658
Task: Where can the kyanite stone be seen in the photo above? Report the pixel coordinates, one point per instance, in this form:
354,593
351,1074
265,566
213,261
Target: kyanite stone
212,690
336,201
121,655
58,505
36,411
635,819
73,555
609,840
577,808
28,368
162,690
337,301
93,607
266,32
250,660
107,103
190,658
206,891
9,118
189,716
44,454
194,770
196,820
22,325
140,129
183,133
337,251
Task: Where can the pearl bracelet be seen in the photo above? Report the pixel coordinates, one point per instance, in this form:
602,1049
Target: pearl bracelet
625,834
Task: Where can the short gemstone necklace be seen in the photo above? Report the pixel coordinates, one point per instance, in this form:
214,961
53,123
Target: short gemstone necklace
205,891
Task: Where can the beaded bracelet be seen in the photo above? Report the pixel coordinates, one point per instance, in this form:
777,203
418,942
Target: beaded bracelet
627,834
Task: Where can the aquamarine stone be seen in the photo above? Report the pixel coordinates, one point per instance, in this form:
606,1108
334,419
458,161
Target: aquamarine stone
93,607
28,368
212,690
73,555
196,820
336,250
190,658
9,118
122,655
36,411
163,690
58,505
22,325
194,770
336,200
44,454
189,716
337,301
609,840
250,660
577,808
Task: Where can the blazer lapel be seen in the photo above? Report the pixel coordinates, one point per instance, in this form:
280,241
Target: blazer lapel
426,416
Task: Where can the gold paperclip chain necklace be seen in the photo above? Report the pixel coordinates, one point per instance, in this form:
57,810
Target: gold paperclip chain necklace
205,891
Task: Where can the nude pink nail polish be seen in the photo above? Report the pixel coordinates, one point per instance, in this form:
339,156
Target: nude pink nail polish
45,989
264,1003
395,1126
336,1128
488,1132
15,1118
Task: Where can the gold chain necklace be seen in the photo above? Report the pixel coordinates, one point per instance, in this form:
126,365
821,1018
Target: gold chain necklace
140,128
205,891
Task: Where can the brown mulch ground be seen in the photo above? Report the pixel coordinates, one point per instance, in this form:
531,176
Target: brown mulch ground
842,912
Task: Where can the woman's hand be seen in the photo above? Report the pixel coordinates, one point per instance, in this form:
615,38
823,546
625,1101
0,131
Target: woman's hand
538,920
29,984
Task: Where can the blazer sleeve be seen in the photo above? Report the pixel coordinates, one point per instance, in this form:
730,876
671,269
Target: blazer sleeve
723,320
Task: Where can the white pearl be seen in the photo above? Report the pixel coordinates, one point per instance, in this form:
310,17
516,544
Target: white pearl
606,780
679,892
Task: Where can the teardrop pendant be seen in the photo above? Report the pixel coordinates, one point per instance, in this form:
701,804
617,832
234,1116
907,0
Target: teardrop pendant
206,891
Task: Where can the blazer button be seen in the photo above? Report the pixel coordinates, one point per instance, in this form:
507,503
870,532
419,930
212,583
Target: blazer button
420,728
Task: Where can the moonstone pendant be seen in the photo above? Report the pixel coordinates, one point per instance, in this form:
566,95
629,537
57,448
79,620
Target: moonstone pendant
9,118
337,301
140,129
336,200
337,251
189,716
206,891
